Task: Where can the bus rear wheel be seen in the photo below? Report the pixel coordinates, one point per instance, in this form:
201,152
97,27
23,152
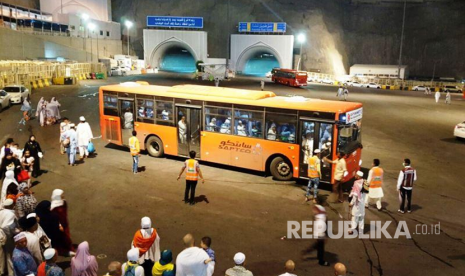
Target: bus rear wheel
154,146
281,169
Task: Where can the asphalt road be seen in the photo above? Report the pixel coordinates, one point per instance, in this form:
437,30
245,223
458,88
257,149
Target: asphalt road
244,211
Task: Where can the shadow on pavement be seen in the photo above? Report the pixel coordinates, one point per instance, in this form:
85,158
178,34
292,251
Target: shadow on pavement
454,140
201,198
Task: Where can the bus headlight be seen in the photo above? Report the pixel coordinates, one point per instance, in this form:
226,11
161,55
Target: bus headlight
360,162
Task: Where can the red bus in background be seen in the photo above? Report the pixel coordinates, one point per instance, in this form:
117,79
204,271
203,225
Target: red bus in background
289,77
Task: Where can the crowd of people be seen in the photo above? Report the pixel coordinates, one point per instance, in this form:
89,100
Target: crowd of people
48,113
76,139
24,163
33,234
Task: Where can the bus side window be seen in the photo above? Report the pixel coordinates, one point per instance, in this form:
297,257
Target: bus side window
218,119
145,110
248,123
281,127
164,111
110,105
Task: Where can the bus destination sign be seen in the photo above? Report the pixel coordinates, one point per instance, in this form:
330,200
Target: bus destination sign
354,115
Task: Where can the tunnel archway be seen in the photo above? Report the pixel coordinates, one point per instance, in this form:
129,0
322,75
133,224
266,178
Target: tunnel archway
257,60
174,56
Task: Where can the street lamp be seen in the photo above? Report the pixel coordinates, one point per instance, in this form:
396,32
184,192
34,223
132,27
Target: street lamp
91,27
128,26
301,39
83,18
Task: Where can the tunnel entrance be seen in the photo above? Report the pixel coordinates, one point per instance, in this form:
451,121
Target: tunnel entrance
257,61
260,64
177,59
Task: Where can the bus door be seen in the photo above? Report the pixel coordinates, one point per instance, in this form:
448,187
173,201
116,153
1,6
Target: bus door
126,114
315,135
188,125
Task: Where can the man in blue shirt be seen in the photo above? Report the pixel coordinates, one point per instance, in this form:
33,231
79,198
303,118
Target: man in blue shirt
23,262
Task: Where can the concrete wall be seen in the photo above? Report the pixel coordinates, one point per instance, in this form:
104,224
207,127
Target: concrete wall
74,23
340,33
21,45
96,9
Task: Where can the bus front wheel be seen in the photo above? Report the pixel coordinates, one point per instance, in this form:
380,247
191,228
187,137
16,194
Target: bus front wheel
154,146
281,169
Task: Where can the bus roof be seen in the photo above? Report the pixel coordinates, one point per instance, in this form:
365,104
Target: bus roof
289,70
235,96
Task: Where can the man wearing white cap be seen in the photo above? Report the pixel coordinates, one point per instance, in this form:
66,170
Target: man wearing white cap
23,262
192,261
357,203
30,225
132,267
147,241
8,225
314,175
49,267
70,143
84,135
239,269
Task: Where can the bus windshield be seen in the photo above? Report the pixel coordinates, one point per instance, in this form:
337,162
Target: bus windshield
349,137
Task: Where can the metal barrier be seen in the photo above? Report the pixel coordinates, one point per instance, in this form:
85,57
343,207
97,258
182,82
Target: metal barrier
36,74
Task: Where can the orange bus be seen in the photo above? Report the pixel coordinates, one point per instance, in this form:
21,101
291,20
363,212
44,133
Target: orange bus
249,129
289,77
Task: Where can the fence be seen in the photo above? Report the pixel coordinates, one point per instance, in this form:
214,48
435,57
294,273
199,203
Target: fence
39,73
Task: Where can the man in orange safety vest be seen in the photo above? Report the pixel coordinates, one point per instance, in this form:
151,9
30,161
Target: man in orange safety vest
192,168
314,175
375,180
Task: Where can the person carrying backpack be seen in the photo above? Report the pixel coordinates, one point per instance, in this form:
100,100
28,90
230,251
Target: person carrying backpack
132,267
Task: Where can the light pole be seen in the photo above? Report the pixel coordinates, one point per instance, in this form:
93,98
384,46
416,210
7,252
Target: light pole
91,27
301,40
402,40
83,18
128,26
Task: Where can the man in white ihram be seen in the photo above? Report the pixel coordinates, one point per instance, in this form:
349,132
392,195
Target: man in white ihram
182,128
84,135
241,129
239,269
128,119
192,260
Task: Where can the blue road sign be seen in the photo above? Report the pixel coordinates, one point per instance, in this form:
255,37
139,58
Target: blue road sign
175,22
262,27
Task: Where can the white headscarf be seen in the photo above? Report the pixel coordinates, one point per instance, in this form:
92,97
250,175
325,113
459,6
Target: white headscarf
9,178
57,201
39,106
146,225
